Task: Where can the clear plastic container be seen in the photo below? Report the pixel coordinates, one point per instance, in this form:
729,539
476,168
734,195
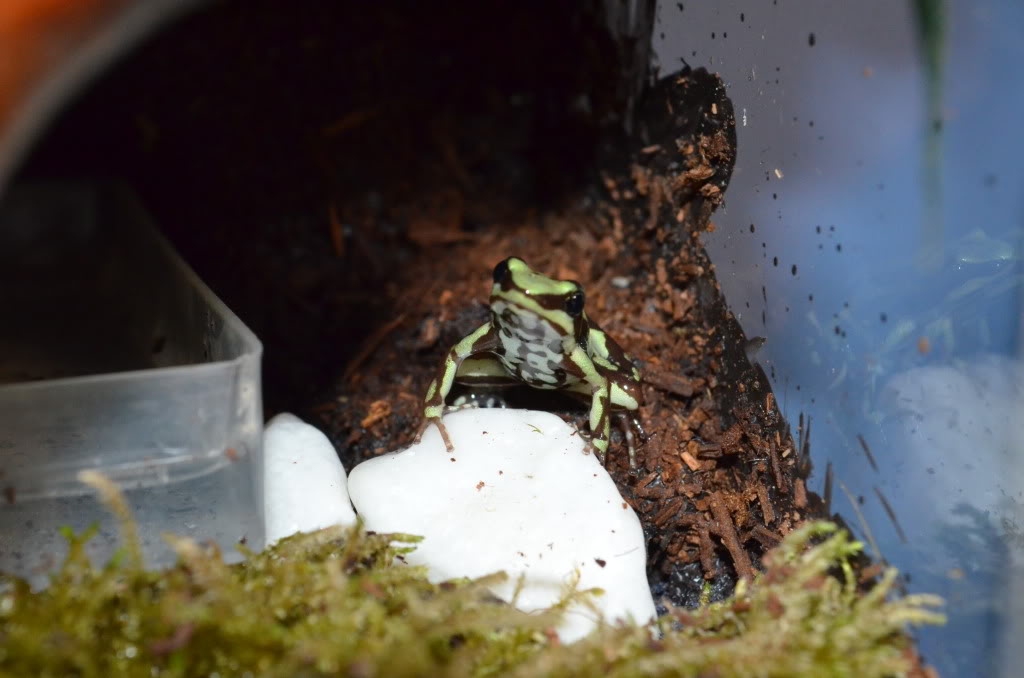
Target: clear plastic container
114,356
873,233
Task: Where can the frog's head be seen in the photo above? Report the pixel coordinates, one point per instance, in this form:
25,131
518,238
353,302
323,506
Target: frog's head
526,302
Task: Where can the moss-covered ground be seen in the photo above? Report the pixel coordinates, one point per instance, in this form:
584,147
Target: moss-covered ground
341,602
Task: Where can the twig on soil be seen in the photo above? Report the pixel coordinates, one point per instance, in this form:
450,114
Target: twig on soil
707,549
766,504
780,478
725,529
766,537
666,381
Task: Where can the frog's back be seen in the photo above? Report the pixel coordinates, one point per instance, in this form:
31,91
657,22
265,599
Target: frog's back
530,348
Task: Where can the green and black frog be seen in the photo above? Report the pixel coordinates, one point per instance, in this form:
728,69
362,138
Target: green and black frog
540,335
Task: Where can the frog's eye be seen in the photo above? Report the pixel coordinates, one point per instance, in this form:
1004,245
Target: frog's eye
574,303
501,271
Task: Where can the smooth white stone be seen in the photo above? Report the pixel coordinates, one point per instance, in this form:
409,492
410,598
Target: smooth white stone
519,495
305,488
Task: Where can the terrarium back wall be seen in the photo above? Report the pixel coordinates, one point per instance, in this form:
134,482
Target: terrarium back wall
872,233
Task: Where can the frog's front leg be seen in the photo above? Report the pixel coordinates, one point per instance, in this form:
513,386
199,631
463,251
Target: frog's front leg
482,339
598,386
600,423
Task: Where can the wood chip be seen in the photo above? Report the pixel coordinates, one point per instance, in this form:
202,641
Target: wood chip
707,550
800,494
675,384
780,479
727,531
691,462
379,409
766,504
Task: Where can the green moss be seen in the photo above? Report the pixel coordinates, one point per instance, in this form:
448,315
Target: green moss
335,602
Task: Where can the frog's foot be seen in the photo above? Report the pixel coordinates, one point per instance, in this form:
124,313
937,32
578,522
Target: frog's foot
441,429
596,444
630,426
600,447
631,448
590,448
627,433
444,435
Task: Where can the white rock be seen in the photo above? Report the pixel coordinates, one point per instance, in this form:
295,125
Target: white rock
520,495
305,487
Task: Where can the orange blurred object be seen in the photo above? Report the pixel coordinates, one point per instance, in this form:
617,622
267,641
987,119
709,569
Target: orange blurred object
49,48
35,38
